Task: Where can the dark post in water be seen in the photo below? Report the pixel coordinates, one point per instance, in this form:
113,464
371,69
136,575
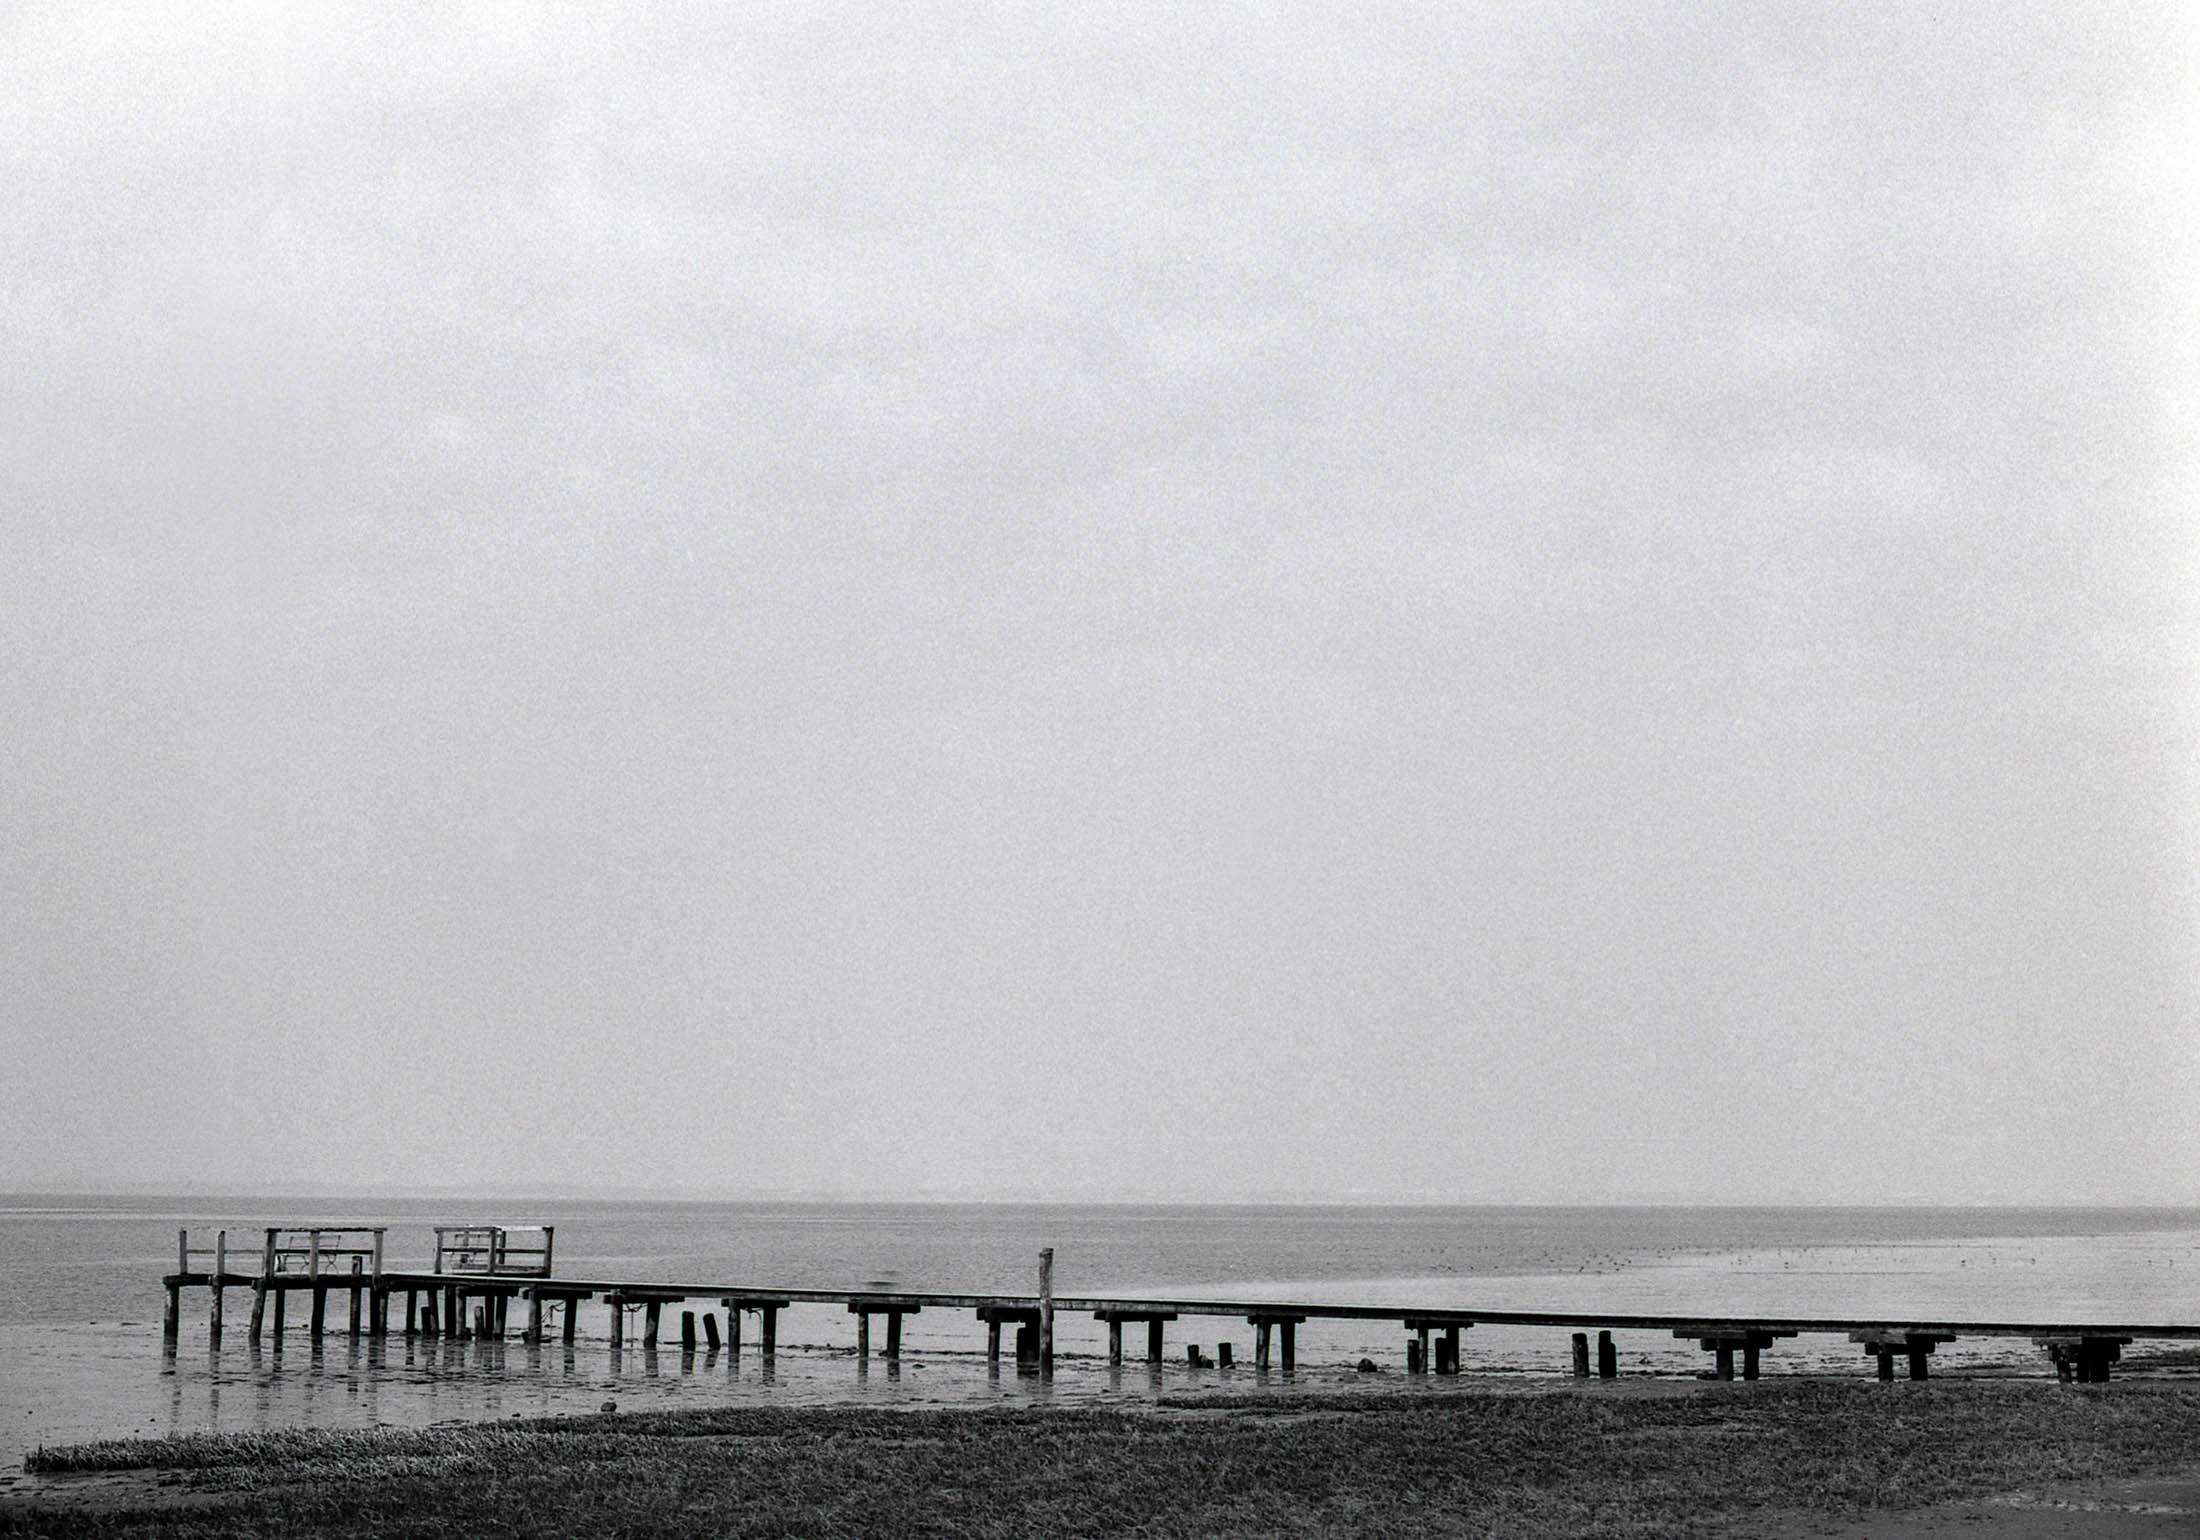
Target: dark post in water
1046,1313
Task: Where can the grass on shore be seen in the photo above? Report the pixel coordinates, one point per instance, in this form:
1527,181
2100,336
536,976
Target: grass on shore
1724,1459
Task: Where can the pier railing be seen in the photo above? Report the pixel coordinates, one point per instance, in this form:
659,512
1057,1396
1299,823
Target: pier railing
518,1251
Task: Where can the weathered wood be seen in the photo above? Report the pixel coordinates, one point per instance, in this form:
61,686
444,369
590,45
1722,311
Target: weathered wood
768,1334
863,1335
1724,1357
1289,1331
993,1344
618,1320
893,1334
1581,1355
1607,1357
1153,1340
651,1311
687,1331
1115,1341
1222,1354
1046,1313
534,1317
358,1273
1261,1334
282,1298
710,1330
171,1322
430,1326
570,1326
215,1289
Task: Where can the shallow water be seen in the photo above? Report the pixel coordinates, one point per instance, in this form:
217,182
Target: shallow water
81,1358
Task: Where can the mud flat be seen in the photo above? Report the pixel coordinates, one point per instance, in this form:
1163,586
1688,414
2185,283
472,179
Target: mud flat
1646,1458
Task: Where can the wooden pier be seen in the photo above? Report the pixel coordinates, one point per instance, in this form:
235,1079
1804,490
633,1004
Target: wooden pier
477,1271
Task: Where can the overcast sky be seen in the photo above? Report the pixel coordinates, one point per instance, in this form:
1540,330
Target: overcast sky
1522,602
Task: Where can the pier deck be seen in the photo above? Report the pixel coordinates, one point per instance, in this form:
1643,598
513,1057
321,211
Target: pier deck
437,1299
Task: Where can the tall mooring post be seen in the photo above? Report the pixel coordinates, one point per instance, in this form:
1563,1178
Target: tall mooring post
1046,1313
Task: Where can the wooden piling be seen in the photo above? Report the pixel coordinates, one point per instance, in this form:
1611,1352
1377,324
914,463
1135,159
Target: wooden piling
171,1324
571,1324
687,1331
1115,1341
481,1320
534,1316
1290,1344
863,1335
1046,1313
710,1330
1262,1332
214,1287
1222,1354
317,1320
1153,1342
652,1310
1723,1356
430,1326
1749,1360
259,1290
1607,1357
282,1301
993,1342
768,1334
618,1319
893,1334
357,1276
1581,1355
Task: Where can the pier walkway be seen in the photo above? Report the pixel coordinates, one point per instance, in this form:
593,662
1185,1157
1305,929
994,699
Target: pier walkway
479,1271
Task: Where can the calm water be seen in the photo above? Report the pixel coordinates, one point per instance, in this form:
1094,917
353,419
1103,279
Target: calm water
80,1355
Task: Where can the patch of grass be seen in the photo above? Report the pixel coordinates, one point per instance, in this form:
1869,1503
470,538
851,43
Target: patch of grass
1725,1459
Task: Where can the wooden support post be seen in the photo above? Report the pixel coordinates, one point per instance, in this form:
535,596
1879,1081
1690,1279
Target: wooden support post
481,1319
534,1316
1191,1355
652,1311
1749,1360
1222,1354
1290,1346
318,1319
1581,1355
1421,1337
570,1327
214,1305
1115,1340
710,1330
893,1334
1886,1362
357,1276
618,1320
412,1309
1153,1342
1724,1356
993,1341
378,1308
863,1334
454,1324
1263,1332
1046,1313
171,1322
282,1302
687,1331
1607,1357
733,1328
1027,1349
1920,1357
768,1337
430,1326
1450,1363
